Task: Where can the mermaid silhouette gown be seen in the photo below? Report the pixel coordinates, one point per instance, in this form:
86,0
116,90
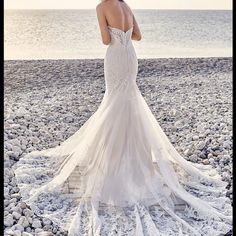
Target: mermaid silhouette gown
127,177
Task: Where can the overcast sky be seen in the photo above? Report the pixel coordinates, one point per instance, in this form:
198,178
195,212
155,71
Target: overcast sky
135,4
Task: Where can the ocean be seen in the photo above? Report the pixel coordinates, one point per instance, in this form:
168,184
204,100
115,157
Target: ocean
74,34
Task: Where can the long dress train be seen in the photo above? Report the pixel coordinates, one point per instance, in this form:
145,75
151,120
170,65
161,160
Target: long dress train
119,174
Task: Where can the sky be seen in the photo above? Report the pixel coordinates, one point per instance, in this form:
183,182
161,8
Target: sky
135,4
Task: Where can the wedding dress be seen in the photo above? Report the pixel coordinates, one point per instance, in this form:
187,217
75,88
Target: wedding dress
119,174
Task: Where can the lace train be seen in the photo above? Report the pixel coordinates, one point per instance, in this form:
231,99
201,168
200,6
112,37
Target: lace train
119,174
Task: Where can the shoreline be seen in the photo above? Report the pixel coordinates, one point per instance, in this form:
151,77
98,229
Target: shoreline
151,58
46,101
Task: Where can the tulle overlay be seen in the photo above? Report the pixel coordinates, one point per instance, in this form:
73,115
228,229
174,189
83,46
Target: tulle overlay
119,174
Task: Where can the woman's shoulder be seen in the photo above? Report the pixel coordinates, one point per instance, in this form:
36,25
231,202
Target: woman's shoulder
103,5
99,6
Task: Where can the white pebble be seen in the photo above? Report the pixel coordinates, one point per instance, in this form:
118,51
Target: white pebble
16,215
36,223
39,231
46,221
206,162
26,234
22,205
8,146
201,145
35,140
195,137
27,212
17,233
18,227
8,221
16,149
9,232
23,221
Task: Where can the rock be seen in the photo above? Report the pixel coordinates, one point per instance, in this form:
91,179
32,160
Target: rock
227,157
9,153
211,160
210,155
174,129
13,155
206,162
16,149
193,158
200,129
172,112
9,232
8,221
8,172
16,215
200,145
5,213
227,144
55,229
195,137
202,155
69,119
17,209
179,124
35,140
23,221
17,233
18,227
22,205
13,182
16,195
38,231
6,202
21,112
23,147
29,219
46,221
188,138
36,224
189,151
202,135
48,227
24,142
229,192
27,212
6,158
6,191
16,191
15,143
28,230
8,146
59,233
26,234
224,131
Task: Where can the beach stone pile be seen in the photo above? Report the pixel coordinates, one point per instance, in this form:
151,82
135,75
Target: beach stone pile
46,101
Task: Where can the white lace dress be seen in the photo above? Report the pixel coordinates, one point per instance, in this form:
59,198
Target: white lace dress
119,174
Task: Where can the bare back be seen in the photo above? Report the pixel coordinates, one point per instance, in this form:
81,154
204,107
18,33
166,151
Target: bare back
118,15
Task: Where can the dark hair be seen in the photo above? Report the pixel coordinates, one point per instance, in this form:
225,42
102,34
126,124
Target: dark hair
121,0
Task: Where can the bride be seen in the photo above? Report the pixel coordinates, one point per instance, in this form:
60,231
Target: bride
119,174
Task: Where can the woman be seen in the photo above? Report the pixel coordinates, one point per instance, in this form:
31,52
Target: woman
119,174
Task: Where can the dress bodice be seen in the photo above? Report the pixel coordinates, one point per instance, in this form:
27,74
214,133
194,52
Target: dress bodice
120,65
120,36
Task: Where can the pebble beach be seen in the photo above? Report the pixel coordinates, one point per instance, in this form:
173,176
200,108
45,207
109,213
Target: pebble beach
46,101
